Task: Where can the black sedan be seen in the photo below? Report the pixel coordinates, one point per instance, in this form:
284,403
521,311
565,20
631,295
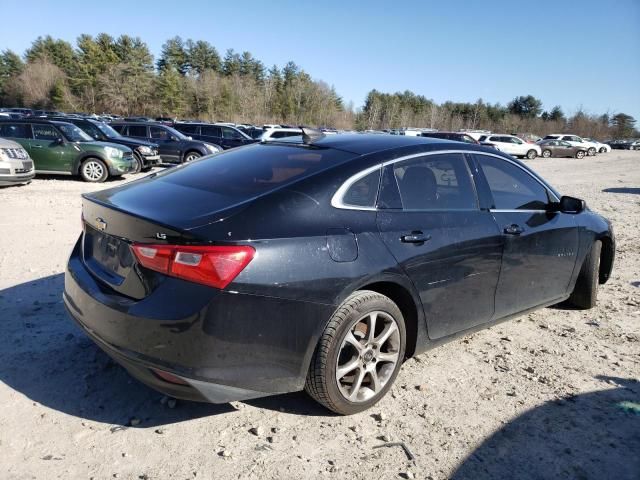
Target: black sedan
322,263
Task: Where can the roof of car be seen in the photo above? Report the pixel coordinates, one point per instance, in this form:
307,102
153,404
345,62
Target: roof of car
364,144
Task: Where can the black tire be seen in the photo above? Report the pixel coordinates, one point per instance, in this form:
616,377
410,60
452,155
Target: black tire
546,153
580,154
591,151
94,170
321,383
139,163
603,150
191,155
585,293
531,154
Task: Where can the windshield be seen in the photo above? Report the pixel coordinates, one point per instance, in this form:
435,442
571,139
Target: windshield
73,133
107,130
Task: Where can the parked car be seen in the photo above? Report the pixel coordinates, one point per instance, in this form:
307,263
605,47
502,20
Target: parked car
456,136
617,144
64,149
223,135
253,132
512,145
601,147
16,167
145,153
575,140
560,148
277,133
173,146
322,262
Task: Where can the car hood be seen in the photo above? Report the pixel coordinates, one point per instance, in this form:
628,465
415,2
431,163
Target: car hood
5,143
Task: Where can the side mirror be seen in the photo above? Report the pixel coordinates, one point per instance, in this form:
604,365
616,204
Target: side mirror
174,138
59,141
571,205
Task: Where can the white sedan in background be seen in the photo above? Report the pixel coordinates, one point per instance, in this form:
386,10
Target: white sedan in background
512,145
576,141
602,147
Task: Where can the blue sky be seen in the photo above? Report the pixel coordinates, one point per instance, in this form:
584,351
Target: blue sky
569,53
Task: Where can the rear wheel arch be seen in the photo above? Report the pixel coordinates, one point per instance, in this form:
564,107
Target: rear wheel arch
405,301
77,163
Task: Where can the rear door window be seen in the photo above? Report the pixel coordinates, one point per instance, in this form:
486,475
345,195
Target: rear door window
211,131
435,182
511,186
15,130
46,132
188,129
138,131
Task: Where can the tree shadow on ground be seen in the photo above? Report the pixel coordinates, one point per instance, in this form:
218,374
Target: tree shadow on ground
590,436
47,358
635,191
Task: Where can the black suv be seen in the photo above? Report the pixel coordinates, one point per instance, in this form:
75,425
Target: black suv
144,152
224,135
173,146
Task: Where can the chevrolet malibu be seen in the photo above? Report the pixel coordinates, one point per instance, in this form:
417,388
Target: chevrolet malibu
322,263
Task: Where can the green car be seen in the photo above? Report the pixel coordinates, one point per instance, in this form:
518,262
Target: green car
64,149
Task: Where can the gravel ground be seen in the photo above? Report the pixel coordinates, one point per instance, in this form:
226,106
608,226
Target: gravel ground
553,394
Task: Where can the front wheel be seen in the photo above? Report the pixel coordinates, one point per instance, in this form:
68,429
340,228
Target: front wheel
138,163
603,150
94,170
531,154
546,153
591,152
359,354
580,154
191,156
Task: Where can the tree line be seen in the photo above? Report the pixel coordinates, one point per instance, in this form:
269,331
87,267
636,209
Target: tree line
191,80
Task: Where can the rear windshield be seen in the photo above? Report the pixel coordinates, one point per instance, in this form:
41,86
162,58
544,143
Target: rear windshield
253,170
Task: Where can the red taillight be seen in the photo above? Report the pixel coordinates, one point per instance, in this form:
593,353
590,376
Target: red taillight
215,266
169,377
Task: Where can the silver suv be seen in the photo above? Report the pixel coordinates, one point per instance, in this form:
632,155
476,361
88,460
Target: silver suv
16,167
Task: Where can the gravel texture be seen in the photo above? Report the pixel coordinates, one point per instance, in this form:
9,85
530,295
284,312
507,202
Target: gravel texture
553,394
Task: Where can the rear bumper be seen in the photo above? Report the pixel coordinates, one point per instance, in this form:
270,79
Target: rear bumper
226,346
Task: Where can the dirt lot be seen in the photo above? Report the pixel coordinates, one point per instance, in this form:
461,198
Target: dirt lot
553,394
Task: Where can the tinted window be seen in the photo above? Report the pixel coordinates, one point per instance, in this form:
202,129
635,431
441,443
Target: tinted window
230,133
119,128
363,193
467,139
158,133
512,188
188,129
138,131
435,182
15,130
211,131
247,172
483,138
45,132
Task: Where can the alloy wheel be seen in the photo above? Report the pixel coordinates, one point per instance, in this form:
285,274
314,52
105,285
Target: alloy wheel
368,356
191,157
93,170
546,153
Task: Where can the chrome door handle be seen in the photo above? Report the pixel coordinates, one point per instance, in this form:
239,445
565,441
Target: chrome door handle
415,237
